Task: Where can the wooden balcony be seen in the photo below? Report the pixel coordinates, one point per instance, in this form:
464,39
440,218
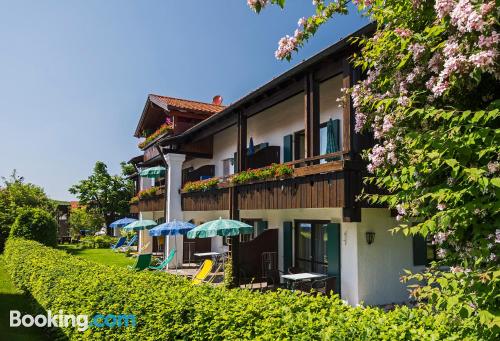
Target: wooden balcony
155,203
312,185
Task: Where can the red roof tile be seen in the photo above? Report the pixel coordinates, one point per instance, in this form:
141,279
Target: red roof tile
184,104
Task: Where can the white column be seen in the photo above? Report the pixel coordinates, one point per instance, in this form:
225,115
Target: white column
173,209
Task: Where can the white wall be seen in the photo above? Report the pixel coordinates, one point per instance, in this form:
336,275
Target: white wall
144,236
381,264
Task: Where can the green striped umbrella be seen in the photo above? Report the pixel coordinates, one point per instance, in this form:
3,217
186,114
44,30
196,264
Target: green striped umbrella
153,172
220,227
140,225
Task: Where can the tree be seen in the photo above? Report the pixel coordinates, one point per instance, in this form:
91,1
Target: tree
15,195
431,99
81,218
106,194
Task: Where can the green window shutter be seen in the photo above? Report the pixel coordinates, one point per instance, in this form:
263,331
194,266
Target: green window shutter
333,251
261,227
236,163
419,250
287,245
287,148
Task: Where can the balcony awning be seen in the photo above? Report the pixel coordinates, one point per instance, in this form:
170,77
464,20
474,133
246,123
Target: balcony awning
153,172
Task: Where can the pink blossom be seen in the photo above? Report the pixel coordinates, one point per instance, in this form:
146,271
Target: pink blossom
441,237
465,18
435,62
403,101
497,236
388,123
440,87
441,206
487,7
456,269
443,7
253,4
493,167
403,32
451,48
488,41
360,121
302,21
431,83
401,210
441,253
484,60
287,44
417,50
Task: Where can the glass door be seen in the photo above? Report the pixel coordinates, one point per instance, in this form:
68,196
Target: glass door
311,247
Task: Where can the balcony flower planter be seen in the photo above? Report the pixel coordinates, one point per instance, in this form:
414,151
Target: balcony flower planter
145,194
201,185
275,171
164,128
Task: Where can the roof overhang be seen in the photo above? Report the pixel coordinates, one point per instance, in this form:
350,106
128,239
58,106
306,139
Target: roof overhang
294,72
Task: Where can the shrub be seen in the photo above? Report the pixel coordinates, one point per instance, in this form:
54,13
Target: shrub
35,224
169,307
97,242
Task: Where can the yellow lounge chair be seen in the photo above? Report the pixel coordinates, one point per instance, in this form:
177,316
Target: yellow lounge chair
203,272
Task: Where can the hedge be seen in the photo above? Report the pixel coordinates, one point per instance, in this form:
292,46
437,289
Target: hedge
36,224
169,307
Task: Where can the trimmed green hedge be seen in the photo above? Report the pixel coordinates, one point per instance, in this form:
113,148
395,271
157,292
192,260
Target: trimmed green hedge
36,224
170,307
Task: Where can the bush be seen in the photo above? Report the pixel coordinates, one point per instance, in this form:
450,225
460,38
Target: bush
97,242
35,224
169,307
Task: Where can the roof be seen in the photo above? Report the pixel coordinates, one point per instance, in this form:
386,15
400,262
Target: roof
291,73
169,103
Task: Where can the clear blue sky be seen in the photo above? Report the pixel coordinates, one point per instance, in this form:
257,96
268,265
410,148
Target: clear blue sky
74,75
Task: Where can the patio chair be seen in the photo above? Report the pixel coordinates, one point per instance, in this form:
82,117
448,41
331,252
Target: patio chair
164,264
142,262
203,272
325,286
119,243
128,245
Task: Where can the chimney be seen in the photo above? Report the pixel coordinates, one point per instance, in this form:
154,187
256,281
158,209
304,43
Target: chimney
217,100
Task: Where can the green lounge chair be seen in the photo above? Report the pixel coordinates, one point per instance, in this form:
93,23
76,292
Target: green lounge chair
142,262
164,264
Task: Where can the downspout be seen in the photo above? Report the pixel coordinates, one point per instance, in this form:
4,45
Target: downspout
165,194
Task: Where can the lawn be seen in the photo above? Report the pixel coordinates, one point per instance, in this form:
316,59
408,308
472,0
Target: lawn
103,256
12,299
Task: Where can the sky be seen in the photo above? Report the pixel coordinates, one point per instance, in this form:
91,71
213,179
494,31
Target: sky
74,75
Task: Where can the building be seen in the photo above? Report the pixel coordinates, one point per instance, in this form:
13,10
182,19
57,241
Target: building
309,218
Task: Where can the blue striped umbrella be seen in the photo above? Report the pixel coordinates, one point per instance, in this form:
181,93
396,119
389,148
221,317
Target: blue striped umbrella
122,222
172,228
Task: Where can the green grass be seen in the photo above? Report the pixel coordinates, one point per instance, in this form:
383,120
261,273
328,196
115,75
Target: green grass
103,256
12,299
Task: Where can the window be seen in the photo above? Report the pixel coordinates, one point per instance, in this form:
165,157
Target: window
311,240
227,167
424,251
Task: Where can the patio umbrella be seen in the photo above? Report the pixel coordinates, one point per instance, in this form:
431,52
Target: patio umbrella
251,147
153,172
140,225
172,228
122,222
220,227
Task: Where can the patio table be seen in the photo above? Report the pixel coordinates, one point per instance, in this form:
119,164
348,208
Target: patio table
292,279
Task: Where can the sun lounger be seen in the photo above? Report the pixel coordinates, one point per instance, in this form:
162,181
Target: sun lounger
119,243
142,262
164,264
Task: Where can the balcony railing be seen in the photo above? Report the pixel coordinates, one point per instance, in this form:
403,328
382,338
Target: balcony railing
311,185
